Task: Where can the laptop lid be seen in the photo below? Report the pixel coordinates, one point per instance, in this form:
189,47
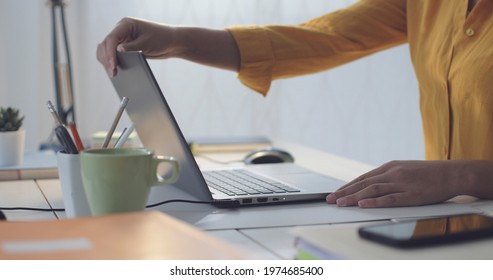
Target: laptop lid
154,121
158,130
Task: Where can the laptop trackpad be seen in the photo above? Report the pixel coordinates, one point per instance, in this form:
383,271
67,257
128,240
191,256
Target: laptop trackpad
311,182
298,176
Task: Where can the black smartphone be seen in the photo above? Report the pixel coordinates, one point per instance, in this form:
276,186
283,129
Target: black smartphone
431,231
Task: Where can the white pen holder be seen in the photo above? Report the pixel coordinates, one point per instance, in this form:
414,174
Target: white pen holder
74,195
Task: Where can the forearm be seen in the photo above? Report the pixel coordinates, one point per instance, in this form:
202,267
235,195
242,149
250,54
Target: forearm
206,46
476,177
282,51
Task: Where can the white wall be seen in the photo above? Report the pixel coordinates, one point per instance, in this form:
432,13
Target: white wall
366,110
25,80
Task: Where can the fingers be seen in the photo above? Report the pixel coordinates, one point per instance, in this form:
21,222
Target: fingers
106,55
363,181
375,172
391,200
351,196
376,196
106,50
369,185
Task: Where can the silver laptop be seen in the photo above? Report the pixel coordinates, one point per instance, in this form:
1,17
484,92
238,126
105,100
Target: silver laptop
159,131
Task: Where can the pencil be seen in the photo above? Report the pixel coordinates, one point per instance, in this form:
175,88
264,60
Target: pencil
123,104
75,135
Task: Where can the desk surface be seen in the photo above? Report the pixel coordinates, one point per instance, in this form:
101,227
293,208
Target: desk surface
267,231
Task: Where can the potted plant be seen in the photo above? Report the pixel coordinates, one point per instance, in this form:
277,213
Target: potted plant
12,137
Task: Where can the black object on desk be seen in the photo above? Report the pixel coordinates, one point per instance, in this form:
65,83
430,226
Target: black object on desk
268,155
2,216
65,139
431,231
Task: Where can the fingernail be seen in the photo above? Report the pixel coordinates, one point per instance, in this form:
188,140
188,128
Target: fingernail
341,201
331,198
110,72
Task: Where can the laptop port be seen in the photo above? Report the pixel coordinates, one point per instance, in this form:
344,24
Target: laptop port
263,199
246,200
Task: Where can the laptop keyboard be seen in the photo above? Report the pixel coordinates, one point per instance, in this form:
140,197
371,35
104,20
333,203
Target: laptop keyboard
241,182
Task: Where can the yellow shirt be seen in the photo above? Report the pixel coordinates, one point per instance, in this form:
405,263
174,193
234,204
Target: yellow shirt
452,54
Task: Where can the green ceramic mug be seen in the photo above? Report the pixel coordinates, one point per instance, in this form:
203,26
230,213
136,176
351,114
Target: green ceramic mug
119,180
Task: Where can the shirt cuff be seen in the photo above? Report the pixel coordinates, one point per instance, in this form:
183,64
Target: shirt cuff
256,56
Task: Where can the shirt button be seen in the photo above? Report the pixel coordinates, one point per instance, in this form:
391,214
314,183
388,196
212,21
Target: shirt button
469,32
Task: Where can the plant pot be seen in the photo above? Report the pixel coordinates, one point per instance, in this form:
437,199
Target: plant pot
12,147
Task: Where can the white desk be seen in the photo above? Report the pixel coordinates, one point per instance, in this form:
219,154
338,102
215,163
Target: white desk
263,231
23,194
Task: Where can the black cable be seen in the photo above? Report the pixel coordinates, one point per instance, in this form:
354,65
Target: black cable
32,209
63,209
178,200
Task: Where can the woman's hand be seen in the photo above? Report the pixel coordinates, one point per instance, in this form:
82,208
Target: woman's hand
130,34
202,45
407,183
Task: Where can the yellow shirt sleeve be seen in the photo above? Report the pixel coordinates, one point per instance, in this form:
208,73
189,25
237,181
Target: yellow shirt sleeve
274,52
450,50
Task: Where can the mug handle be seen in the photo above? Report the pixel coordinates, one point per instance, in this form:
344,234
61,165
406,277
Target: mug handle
175,170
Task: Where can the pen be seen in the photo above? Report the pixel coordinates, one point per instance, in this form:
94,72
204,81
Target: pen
62,133
125,134
119,137
123,104
54,113
75,134
65,139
